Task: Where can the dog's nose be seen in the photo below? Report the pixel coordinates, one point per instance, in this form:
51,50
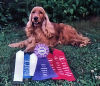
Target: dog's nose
35,18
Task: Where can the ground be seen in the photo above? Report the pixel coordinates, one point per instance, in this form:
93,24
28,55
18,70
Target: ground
84,62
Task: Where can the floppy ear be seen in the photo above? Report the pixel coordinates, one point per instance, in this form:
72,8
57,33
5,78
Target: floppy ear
47,27
28,28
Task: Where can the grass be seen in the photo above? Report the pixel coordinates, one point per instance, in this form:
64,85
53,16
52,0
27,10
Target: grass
84,62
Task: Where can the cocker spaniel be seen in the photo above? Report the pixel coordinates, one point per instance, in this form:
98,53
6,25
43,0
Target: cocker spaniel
39,29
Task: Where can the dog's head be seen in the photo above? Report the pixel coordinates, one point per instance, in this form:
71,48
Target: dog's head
39,18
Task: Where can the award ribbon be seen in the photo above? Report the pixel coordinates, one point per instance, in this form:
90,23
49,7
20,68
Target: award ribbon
43,68
30,62
18,73
60,66
26,71
41,50
33,63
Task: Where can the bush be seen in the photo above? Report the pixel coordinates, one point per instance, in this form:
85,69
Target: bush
17,11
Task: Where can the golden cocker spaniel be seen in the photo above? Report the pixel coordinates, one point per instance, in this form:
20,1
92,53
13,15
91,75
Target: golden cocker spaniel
40,30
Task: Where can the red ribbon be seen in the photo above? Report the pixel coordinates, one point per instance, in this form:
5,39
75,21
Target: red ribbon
59,64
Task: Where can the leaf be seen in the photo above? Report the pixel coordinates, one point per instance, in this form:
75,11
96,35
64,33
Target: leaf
71,11
65,11
77,2
83,81
3,18
74,6
69,1
21,10
98,82
89,0
16,0
24,20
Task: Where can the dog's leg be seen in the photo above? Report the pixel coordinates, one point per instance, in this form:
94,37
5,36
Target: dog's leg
83,40
30,47
79,40
19,44
22,43
70,36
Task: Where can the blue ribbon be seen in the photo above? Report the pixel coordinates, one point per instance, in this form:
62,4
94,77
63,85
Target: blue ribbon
26,66
43,70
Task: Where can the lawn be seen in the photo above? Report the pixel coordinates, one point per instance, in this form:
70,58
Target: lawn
84,62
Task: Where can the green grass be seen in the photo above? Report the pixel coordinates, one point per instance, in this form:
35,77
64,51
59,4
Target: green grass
81,60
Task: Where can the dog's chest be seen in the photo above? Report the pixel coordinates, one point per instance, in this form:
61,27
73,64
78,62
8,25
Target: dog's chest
39,32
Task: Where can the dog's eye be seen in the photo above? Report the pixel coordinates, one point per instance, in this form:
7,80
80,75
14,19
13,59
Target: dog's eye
41,12
33,12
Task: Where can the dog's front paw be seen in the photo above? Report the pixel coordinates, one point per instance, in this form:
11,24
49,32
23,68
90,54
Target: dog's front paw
82,45
13,45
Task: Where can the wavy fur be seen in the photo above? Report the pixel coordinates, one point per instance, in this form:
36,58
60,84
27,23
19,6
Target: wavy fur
51,34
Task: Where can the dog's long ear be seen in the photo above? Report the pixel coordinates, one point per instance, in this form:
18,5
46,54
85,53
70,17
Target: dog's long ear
47,27
28,27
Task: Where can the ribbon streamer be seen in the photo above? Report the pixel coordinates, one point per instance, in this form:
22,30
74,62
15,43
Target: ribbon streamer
53,66
26,71
18,73
30,62
33,63
43,70
60,66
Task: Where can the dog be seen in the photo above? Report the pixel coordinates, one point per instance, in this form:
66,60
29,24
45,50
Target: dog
39,29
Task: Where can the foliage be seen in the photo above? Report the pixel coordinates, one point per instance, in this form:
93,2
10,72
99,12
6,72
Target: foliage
17,11
84,62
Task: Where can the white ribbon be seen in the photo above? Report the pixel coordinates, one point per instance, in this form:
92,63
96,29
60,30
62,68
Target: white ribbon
19,65
18,73
33,63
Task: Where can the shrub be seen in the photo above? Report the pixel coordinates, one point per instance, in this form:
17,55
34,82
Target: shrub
17,11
